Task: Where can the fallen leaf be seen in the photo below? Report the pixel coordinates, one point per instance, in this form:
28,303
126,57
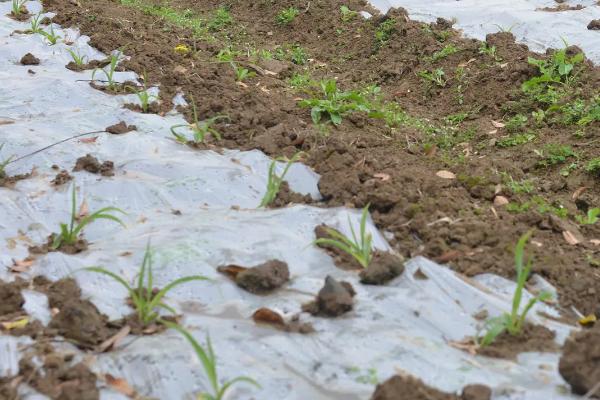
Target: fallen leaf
587,320
231,270
445,174
120,385
500,201
382,176
467,345
267,72
242,84
84,210
498,124
264,89
464,64
22,265
448,256
114,340
493,132
578,192
570,238
595,242
6,122
267,316
16,324
89,140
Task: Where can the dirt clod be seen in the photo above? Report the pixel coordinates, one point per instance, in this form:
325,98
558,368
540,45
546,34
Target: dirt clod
476,392
286,196
91,164
30,59
334,299
61,178
263,278
11,299
594,25
580,362
120,128
408,388
532,338
383,268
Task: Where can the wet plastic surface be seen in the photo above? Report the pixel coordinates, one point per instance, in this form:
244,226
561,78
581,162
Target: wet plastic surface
405,325
530,25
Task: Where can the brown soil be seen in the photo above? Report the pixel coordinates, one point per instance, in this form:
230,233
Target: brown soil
9,181
341,259
594,25
120,128
11,300
286,196
61,178
261,279
91,164
89,65
383,268
408,388
29,59
75,248
153,108
333,300
580,362
22,17
532,338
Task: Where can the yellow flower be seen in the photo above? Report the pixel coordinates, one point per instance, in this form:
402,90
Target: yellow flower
588,320
182,49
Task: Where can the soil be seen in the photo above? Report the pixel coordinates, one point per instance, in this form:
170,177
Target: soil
286,196
120,128
11,300
91,164
594,25
261,279
93,64
532,338
61,178
580,362
333,300
153,108
23,16
408,388
75,248
10,181
383,268
29,59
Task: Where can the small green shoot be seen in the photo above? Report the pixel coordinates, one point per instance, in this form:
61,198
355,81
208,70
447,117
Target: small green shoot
18,7
77,57
209,363
359,248
287,15
274,181
52,37
146,300
513,322
300,81
590,218
298,55
448,50
593,166
221,18
436,77
200,129
36,24
110,73
143,94
384,31
554,154
69,233
516,123
516,140
241,73
347,14
489,51
4,163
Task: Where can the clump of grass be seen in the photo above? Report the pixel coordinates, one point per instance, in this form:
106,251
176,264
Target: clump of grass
554,154
593,166
4,163
146,300
590,218
287,16
361,248
69,233
516,140
347,14
513,322
435,77
143,94
241,73
51,36
221,18
18,7
448,50
200,129
112,67
489,51
274,181
300,81
227,54
209,362
298,55
516,123
77,57
384,31
35,24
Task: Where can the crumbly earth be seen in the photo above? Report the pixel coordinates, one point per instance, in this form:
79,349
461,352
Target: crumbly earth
580,361
333,300
532,338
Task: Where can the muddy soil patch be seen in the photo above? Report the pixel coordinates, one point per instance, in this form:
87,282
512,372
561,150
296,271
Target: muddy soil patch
532,338
91,164
580,363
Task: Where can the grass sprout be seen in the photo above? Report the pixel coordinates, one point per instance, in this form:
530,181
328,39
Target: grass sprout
35,23
17,7
52,37
590,218
200,129
274,181
347,13
513,322
143,94
361,247
146,300
77,57
69,233
209,363
112,67
241,73
4,163
287,15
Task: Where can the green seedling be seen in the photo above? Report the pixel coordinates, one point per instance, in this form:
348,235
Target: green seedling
227,55
274,181
143,94
35,24
554,154
516,140
336,103
489,51
112,67
436,77
504,29
361,248
221,18
146,300
556,70
200,129
18,7
300,81
384,31
69,233
298,55
445,52
52,37
590,218
516,123
4,163
241,73
347,14
517,187
513,322
593,166
77,57
287,15
209,362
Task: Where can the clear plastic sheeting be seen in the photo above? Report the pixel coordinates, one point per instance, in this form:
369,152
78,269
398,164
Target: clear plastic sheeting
530,25
406,325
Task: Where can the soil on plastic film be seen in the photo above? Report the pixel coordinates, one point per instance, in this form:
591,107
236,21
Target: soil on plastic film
439,181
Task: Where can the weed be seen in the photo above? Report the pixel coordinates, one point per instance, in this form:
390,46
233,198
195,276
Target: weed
513,322
146,300
200,129
4,163
440,36
460,76
287,15
300,81
590,218
361,249
554,154
77,57
274,181
384,31
52,37
227,54
143,95
69,233
516,140
445,52
298,55
517,187
504,29
184,19
336,103
434,77
347,14
241,73
114,60
209,363
593,166
516,123
221,18
489,51
18,7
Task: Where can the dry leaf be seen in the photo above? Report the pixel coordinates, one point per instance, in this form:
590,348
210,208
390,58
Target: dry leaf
587,320
114,341
267,72
84,210
595,242
445,174
500,201
6,122
267,316
467,345
89,140
16,324
494,212
120,385
382,176
448,256
231,270
493,132
22,265
578,192
242,84
570,238
498,124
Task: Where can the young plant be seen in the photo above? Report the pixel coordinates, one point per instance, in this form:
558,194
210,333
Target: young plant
200,129
35,24
4,163
590,218
209,361
146,300
143,95
52,37
361,248
593,166
298,55
489,51
554,154
513,322
347,14
18,7
445,52
221,18
435,77
336,103
384,31
78,58
274,181
112,67
287,15
69,233
241,73
300,81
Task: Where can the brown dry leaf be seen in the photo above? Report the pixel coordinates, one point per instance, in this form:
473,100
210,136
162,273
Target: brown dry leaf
595,242
578,193
494,212
498,124
464,64
446,174
22,265
120,385
6,122
267,72
114,341
493,132
89,140
231,270
267,316
448,256
242,84
382,176
84,210
467,345
570,238
500,201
